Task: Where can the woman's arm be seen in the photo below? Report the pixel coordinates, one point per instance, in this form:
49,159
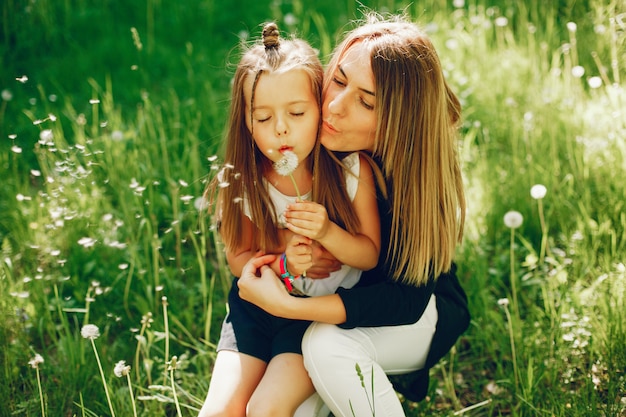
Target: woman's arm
260,285
359,250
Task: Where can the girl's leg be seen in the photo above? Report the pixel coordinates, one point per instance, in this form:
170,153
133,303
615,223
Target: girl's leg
331,355
235,376
284,386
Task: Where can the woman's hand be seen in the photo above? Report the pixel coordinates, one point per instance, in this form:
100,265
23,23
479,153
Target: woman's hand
260,285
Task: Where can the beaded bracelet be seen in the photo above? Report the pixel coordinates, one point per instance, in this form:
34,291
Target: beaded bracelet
284,273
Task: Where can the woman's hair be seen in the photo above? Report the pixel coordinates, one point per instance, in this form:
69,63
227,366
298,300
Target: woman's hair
416,144
245,165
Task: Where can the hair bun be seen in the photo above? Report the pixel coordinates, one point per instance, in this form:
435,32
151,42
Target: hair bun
271,36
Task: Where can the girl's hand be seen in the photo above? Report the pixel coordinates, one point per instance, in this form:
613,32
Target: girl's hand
299,255
307,219
323,263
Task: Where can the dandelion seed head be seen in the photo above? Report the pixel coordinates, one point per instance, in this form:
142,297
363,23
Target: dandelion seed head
458,3
7,95
571,26
501,21
538,191
23,79
117,135
201,203
594,82
94,101
513,219
12,136
121,369
287,164
36,361
503,302
53,98
46,135
290,19
578,71
90,331
32,101
16,149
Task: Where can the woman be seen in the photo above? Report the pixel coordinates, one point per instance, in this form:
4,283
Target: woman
385,94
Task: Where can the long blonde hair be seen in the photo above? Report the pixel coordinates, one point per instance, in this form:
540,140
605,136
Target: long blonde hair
416,144
245,165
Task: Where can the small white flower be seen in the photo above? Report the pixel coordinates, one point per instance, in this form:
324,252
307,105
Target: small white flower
503,302
538,191
513,219
94,101
36,361
287,164
90,331
121,369
571,26
23,79
16,149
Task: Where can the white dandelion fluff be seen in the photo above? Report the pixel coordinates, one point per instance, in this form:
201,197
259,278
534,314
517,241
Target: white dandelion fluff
121,369
36,361
287,164
538,191
513,219
90,331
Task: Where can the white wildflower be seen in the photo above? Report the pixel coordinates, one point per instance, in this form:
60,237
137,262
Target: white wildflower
7,95
503,302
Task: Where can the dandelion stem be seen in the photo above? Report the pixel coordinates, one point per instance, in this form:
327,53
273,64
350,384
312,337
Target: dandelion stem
43,409
544,233
167,333
293,181
104,383
513,353
178,412
132,397
513,277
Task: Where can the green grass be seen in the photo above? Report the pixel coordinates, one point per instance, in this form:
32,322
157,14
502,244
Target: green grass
98,217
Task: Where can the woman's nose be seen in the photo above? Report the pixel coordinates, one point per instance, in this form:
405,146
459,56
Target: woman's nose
336,103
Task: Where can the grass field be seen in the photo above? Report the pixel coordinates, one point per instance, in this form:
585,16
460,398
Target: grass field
111,117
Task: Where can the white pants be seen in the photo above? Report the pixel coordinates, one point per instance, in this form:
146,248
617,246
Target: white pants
331,355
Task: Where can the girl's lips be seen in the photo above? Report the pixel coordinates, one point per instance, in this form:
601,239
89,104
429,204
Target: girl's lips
283,149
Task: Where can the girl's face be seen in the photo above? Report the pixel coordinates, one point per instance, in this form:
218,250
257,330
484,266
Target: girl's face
285,115
348,114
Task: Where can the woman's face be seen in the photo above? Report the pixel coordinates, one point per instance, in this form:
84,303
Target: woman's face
348,113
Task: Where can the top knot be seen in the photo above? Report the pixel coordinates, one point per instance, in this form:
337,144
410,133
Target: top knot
271,36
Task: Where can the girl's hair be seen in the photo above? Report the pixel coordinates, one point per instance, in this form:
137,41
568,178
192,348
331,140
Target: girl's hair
416,143
241,177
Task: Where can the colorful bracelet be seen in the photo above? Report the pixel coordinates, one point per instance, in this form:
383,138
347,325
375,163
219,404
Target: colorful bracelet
284,273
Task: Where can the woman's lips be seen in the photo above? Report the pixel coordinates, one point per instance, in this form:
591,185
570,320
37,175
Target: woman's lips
330,128
283,149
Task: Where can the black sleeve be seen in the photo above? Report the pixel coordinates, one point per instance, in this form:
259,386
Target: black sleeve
385,303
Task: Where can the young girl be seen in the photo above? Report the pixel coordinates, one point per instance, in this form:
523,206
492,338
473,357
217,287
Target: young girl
273,161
